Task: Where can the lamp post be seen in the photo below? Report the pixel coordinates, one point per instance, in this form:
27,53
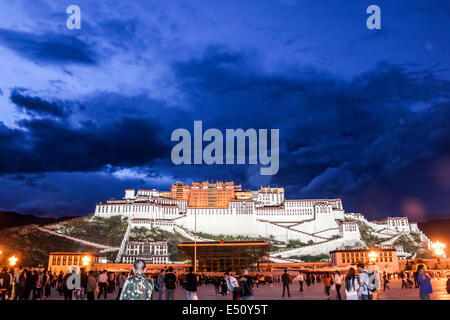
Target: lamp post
372,256
12,261
86,261
438,248
195,241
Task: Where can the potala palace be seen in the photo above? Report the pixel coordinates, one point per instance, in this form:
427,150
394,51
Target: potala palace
223,208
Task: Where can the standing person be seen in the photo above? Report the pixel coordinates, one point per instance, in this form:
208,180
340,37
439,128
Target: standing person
338,284
223,287
286,280
416,283
160,284
19,284
111,281
191,285
39,284
402,276
102,283
6,283
385,282
327,282
67,289
60,283
308,279
138,287
364,292
257,280
83,283
34,278
28,284
216,283
232,285
170,282
301,278
77,292
120,283
246,284
351,285
424,280
47,284
91,286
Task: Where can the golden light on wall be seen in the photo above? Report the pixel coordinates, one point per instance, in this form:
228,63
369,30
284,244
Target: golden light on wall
13,260
438,248
86,260
372,256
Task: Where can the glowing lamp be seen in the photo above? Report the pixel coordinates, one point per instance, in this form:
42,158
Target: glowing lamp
372,256
13,260
86,260
438,248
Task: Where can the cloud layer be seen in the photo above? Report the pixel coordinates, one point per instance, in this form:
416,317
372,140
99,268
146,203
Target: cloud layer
91,113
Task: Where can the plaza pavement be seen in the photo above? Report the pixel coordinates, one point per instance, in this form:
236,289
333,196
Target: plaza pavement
314,292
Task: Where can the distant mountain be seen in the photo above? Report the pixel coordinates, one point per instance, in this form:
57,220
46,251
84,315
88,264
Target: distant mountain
14,219
438,229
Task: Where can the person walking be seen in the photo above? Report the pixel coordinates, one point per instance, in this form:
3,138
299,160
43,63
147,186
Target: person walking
327,282
102,283
66,287
246,284
160,284
47,284
364,292
232,285
403,278
286,279
83,283
5,284
120,283
170,283
424,281
300,278
138,287
385,282
216,284
191,285
338,284
351,285
91,286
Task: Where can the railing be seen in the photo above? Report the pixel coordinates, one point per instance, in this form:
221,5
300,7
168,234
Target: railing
289,228
124,242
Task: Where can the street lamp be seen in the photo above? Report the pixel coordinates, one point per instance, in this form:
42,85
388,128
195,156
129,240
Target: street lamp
372,256
195,241
438,248
86,261
12,261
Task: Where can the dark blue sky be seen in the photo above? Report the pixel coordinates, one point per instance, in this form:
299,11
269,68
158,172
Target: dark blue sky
363,114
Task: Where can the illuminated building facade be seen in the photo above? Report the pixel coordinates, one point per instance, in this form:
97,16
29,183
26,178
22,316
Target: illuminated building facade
62,261
386,259
149,251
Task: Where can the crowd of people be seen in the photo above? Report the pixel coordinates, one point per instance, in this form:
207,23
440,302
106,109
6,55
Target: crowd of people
357,284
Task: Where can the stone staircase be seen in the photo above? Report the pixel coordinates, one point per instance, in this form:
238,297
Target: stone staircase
289,228
188,234
123,245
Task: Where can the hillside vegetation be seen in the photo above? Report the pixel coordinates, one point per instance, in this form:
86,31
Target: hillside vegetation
32,246
106,231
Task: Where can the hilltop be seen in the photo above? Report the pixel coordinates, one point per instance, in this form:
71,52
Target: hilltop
9,219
